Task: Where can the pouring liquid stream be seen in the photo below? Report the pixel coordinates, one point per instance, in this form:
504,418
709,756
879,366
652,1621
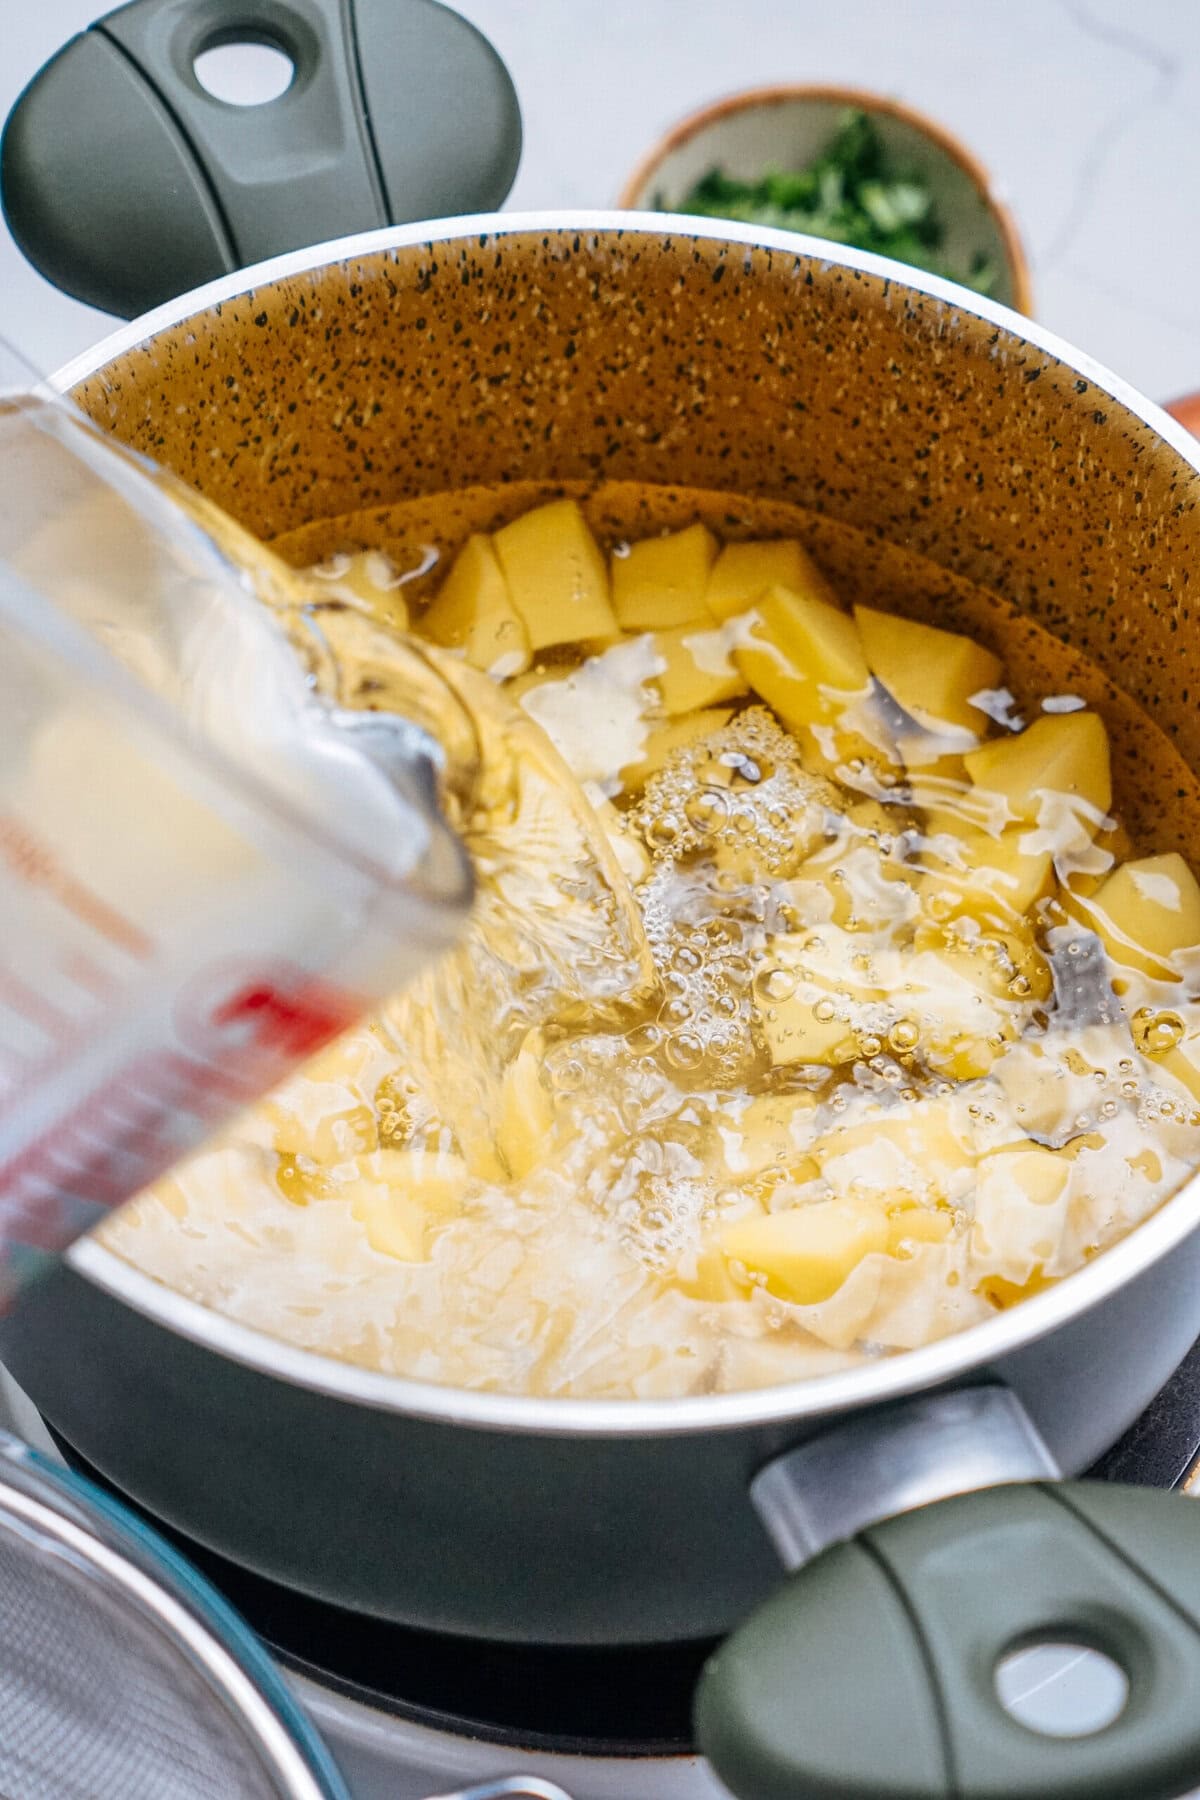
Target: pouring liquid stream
219,843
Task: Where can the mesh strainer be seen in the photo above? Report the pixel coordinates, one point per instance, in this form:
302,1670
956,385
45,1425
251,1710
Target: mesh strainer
124,1676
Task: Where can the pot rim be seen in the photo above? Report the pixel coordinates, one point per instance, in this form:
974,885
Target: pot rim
781,92
865,1384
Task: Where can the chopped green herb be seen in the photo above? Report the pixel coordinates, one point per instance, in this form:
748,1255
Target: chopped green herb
851,195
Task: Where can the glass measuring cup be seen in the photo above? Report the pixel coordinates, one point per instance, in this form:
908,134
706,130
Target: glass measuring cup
206,870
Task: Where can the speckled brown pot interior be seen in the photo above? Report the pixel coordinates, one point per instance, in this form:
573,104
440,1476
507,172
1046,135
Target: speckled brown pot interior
682,360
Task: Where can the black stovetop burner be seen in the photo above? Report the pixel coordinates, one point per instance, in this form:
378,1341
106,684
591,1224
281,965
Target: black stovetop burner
634,1701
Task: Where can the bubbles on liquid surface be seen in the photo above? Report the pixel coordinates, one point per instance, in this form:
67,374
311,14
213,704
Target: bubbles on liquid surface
1155,1033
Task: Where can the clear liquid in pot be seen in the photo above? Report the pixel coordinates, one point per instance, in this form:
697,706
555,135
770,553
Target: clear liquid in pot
524,1174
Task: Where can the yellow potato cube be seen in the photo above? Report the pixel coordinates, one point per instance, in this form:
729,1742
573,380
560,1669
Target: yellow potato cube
1061,755
526,1112
473,613
696,669
962,1002
557,578
990,879
805,1254
773,1128
744,571
664,740
661,582
706,1275
931,673
913,1154
435,1179
810,997
802,657
1147,912
911,1226
1039,1174
394,1193
794,1032
851,757
1021,1197
394,1224
858,889
322,1129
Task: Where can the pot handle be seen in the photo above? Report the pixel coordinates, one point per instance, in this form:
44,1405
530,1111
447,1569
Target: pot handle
125,182
871,1674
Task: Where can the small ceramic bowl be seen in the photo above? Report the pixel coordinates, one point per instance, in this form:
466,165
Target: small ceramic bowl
787,127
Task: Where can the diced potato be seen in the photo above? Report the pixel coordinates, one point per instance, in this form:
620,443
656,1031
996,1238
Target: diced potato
780,1179
1061,754
394,1224
857,761
840,962
1147,912
662,743
960,998
473,613
323,1130
395,1192
706,1275
805,1254
435,1179
901,1157
931,673
557,578
1083,875
877,818
773,1128
803,657
661,582
526,1113
817,1019
1021,1195
744,571
697,669
910,1226
990,879
855,888
1034,1087
794,1032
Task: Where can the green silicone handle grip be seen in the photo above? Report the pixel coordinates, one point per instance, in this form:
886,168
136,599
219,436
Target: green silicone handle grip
870,1675
125,182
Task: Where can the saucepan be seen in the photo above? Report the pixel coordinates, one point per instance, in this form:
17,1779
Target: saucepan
916,1497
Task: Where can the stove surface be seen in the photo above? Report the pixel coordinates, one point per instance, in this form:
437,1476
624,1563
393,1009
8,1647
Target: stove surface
411,1714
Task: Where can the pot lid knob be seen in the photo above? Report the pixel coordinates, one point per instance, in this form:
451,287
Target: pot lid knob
872,1673
125,181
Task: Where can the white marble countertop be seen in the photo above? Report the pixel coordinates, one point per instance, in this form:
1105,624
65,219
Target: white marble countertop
1087,112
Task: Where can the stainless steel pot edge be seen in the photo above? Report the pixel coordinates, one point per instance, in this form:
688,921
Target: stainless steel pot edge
869,1383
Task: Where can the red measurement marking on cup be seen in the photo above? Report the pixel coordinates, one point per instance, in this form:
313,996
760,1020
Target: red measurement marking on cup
146,1115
